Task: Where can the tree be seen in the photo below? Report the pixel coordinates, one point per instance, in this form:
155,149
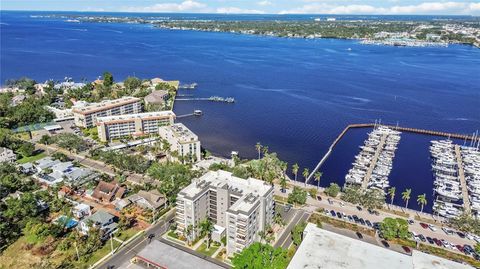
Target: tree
297,233
332,190
278,219
391,192
317,177
261,256
107,79
283,178
132,83
305,174
206,229
258,147
422,201
391,228
46,140
406,196
26,149
313,193
295,168
297,196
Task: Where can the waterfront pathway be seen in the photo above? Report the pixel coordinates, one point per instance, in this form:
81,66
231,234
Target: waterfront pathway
463,183
379,150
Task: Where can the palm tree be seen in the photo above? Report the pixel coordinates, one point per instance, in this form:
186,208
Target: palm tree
189,233
305,174
295,168
406,196
317,177
258,147
391,192
283,179
206,229
264,150
422,201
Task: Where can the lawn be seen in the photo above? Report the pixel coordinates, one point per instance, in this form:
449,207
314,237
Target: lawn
124,235
97,255
208,252
31,158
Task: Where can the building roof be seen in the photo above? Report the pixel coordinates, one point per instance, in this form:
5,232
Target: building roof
132,117
108,104
325,249
100,217
46,162
247,189
106,191
6,150
53,127
156,97
181,133
153,198
171,257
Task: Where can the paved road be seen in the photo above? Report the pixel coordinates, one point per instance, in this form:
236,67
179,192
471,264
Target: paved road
285,239
349,209
125,254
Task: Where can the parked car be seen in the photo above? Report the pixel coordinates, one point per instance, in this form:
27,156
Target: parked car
424,225
332,213
385,244
410,221
406,249
432,227
459,247
462,235
430,240
339,215
369,224
447,231
422,237
359,235
362,221
350,218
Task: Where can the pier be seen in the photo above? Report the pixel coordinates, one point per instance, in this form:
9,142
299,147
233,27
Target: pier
394,127
463,183
379,150
212,98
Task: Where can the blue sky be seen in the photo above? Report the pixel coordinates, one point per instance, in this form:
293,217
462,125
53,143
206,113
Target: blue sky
442,7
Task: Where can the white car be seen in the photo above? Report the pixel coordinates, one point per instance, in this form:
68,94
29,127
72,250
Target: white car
470,236
432,227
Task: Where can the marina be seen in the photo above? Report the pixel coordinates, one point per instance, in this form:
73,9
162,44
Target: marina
456,171
373,164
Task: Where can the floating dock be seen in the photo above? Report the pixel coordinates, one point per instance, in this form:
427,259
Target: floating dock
463,183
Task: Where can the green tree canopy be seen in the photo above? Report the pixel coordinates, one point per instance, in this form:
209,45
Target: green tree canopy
297,196
261,256
391,228
332,190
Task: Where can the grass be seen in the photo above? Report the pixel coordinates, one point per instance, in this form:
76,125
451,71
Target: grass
280,199
15,256
32,158
124,235
449,254
396,212
173,235
208,252
97,255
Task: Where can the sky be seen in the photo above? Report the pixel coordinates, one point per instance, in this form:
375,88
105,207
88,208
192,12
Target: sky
363,7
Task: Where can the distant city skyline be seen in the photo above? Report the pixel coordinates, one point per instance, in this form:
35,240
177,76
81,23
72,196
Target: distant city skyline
361,7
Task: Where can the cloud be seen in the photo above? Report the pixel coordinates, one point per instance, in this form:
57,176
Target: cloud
421,8
185,6
264,3
236,10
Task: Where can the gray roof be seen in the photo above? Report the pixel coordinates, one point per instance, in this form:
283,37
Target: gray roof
100,217
46,162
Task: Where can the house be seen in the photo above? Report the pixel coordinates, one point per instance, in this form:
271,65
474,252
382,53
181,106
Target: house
45,163
7,155
81,210
152,200
156,98
107,192
101,220
52,171
27,168
18,99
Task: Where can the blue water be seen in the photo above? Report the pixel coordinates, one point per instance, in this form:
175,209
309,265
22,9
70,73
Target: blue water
293,95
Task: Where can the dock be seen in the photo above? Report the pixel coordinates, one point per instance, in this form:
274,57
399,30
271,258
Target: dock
379,150
211,98
394,127
463,183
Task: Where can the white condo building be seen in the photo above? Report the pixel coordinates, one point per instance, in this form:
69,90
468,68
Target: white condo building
244,207
133,124
86,116
181,140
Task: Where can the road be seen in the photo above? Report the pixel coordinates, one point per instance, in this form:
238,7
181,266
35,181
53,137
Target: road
285,239
349,209
128,252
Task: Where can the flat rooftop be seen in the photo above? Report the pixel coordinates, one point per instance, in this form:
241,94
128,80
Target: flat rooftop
171,257
108,104
143,116
324,249
182,133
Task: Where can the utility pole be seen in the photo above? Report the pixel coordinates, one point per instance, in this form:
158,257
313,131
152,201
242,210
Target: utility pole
111,241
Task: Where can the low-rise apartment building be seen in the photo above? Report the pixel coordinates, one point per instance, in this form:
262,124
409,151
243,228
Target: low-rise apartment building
133,124
86,116
243,206
182,140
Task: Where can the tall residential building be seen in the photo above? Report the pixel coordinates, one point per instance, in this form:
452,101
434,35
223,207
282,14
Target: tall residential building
86,116
133,124
243,206
181,140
